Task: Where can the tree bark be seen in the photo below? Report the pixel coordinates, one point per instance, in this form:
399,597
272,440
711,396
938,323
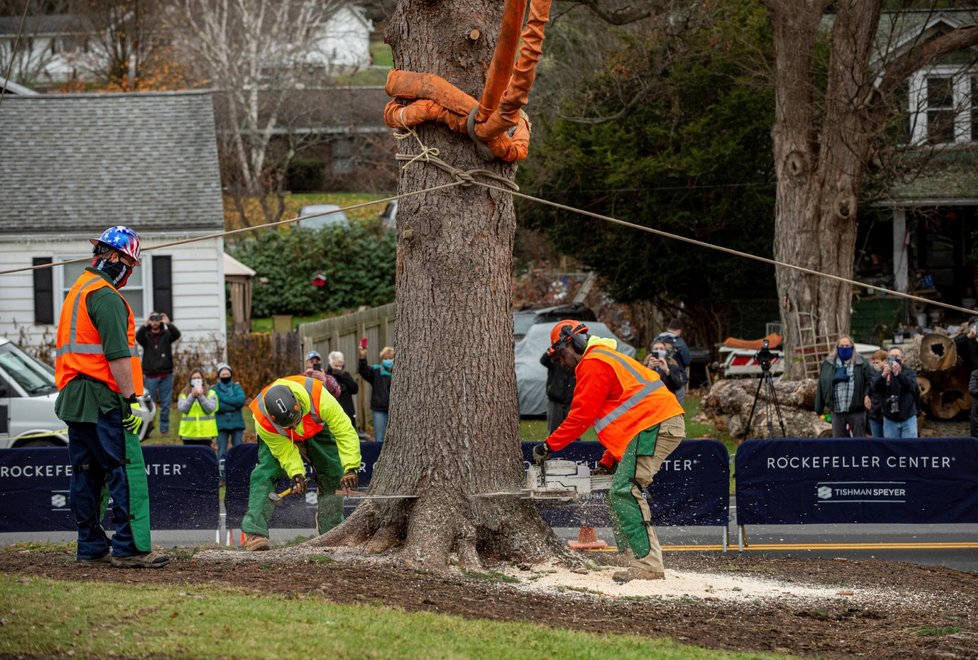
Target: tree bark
454,424
819,158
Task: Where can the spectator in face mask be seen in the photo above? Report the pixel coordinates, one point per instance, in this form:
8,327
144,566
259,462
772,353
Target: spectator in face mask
844,386
379,376
197,403
897,386
230,422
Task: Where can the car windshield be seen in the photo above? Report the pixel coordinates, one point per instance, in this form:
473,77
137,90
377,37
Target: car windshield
337,219
34,376
522,321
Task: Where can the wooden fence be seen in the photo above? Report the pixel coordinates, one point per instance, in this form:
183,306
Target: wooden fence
343,334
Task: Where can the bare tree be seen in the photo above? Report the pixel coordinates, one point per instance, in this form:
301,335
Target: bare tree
453,437
27,52
126,37
827,130
255,52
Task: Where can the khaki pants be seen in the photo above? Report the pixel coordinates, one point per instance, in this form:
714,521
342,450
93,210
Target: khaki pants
670,433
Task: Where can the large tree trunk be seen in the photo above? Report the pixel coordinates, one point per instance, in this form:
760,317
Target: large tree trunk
454,425
819,157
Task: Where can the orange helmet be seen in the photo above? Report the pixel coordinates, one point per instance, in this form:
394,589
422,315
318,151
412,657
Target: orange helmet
568,332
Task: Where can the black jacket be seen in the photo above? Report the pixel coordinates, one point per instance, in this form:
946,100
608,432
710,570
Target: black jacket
560,384
904,387
348,387
158,348
380,385
675,378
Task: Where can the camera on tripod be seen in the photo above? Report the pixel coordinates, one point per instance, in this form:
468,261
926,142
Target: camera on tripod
764,356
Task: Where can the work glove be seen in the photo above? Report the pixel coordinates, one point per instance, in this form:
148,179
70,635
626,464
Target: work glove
133,421
540,452
349,481
606,465
298,484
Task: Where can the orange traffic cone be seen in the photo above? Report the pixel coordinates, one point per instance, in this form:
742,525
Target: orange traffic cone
587,539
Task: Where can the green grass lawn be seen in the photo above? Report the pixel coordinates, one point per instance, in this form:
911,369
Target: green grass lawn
42,617
381,55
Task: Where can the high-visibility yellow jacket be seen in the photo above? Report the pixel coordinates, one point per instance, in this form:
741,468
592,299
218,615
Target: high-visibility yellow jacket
195,423
319,410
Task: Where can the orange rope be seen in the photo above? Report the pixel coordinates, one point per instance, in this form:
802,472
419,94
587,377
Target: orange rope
499,121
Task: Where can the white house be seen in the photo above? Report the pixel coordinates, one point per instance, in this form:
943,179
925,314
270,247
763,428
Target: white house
343,41
73,165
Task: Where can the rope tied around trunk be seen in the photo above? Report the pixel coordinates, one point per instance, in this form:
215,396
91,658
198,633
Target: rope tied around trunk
431,155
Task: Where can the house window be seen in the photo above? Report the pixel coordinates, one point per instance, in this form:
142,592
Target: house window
343,155
134,292
943,106
940,110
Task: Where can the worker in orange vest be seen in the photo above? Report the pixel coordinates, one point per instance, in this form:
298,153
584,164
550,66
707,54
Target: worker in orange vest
99,376
638,421
297,416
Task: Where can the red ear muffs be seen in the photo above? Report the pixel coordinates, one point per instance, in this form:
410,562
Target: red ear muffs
576,336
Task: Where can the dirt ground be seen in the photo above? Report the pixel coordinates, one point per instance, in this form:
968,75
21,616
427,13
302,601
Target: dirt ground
874,609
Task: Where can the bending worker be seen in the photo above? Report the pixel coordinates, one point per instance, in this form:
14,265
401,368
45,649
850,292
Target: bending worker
99,377
638,421
297,416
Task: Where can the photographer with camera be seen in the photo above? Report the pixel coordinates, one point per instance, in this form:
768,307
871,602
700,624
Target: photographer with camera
661,361
897,386
844,385
157,337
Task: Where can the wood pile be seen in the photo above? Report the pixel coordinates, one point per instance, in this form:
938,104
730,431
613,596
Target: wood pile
728,405
941,376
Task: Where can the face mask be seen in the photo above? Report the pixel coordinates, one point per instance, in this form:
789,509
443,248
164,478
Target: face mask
118,272
387,364
844,352
225,379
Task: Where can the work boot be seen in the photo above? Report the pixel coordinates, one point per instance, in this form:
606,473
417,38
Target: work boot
629,574
144,560
104,560
255,543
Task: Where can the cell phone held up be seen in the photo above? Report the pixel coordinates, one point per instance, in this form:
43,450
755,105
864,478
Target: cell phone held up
317,366
363,343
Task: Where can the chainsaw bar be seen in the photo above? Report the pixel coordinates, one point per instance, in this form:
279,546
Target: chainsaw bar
360,495
558,495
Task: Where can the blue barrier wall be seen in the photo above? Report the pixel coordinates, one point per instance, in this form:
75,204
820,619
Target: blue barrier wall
183,489
692,488
849,480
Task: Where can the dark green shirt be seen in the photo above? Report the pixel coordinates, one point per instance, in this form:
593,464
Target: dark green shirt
82,400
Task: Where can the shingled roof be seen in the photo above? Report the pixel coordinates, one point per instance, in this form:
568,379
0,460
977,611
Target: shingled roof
81,162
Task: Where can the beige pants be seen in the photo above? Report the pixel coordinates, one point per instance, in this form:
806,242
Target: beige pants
671,433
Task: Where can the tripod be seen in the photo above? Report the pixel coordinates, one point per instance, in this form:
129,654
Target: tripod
770,395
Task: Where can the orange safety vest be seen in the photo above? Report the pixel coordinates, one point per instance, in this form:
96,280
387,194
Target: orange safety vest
311,424
644,401
79,347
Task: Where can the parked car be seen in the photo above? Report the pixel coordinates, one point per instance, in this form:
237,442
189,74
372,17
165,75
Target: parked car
531,376
27,396
525,318
336,219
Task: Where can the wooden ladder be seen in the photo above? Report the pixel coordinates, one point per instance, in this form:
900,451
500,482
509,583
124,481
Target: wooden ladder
812,347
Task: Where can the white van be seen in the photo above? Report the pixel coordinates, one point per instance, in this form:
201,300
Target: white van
27,395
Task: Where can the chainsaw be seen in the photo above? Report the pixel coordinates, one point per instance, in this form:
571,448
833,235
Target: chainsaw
555,480
558,479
